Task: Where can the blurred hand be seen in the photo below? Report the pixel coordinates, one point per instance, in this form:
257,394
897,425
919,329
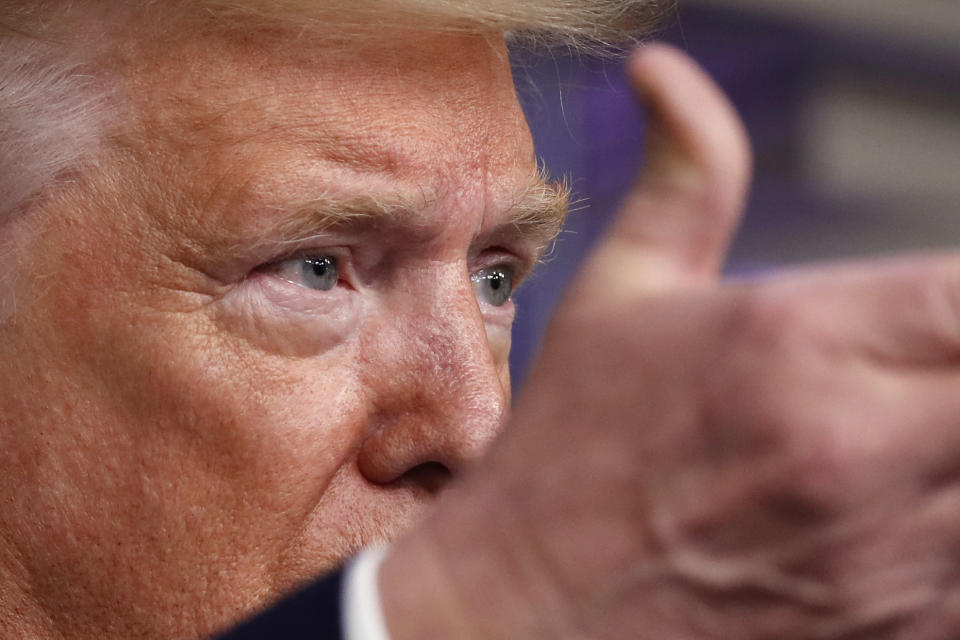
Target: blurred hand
774,460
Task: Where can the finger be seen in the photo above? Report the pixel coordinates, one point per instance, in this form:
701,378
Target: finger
675,226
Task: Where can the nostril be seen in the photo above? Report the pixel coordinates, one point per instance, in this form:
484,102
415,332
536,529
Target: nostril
433,477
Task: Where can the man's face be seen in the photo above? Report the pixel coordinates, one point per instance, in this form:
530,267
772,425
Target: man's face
248,342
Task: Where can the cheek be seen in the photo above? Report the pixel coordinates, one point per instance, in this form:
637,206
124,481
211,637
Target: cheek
174,455
244,444
217,421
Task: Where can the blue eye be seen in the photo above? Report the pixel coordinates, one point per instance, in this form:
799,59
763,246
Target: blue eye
493,286
320,273
313,272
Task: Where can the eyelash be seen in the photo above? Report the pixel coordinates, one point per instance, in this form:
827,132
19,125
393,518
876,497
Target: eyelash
502,258
342,257
492,258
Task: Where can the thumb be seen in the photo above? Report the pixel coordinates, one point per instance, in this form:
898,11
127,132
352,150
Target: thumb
675,226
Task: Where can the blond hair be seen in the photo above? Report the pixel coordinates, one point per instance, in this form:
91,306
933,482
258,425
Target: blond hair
54,107
576,23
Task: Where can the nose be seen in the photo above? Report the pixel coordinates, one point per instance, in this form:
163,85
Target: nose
439,395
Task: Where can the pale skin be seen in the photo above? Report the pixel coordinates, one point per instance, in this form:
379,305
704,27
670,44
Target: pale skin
187,433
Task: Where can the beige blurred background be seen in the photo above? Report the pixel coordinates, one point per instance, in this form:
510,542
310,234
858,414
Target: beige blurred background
877,126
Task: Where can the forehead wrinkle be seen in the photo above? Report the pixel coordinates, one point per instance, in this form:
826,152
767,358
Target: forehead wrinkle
255,122
311,122
317,216
536,214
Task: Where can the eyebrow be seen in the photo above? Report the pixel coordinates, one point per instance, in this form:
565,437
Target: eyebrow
536,213
541,209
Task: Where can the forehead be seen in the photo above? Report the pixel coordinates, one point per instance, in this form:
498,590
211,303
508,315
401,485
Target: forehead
433,113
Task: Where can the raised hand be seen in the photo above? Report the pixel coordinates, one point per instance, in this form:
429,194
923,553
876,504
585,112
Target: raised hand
769,460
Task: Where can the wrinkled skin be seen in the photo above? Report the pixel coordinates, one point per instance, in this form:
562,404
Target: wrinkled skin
186,434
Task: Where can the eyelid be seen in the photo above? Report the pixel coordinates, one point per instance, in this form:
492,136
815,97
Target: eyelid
525,252
520,268
345,267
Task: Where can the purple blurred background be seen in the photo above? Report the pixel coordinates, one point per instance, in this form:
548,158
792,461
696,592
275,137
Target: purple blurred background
853,109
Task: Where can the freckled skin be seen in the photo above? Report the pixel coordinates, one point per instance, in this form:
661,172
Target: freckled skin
180,447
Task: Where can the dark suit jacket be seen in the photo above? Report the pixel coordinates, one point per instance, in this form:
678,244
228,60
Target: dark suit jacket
312,613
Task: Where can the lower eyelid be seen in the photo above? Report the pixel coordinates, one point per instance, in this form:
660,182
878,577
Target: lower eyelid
500,317
278,317
293,297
